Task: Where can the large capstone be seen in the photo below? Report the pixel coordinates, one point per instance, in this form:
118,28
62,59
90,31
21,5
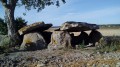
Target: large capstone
60,39
36,27
33,41
72,26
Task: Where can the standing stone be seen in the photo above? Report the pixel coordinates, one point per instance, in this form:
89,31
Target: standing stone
60,39
33,41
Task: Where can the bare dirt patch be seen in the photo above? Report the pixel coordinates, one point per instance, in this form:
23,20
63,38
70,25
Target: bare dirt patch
60,58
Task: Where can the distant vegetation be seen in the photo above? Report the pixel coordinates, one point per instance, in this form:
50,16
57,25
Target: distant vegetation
110,26
101,26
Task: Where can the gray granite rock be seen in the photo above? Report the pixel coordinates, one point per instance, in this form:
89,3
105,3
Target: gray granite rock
38,26
72,26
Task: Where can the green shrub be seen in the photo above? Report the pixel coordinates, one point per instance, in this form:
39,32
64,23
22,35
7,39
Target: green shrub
5,42
112,44
80,46
1,36
3,27
19,23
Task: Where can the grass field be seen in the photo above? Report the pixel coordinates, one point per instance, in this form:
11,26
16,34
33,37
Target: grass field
105,32
110,32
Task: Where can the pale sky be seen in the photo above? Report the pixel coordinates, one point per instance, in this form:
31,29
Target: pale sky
91,11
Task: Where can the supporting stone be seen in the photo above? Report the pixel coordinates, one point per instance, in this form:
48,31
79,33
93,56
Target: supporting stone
60,39
33,41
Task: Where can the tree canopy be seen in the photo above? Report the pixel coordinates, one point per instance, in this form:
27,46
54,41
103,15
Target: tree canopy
40,4
36,4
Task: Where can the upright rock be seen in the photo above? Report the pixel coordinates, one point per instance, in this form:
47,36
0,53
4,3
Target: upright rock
60,39
72,26
33,41
33,36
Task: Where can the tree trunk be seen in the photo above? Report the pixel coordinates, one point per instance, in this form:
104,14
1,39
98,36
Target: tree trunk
12,33
9,17
9,6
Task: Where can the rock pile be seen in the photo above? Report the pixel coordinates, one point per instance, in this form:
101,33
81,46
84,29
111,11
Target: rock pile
33,38
63,37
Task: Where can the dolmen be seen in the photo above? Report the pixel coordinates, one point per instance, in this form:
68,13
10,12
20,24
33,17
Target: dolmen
33,38
37,36
62,37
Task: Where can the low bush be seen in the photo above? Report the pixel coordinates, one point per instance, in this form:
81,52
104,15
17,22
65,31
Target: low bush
3,27
111,43
1,36
5,44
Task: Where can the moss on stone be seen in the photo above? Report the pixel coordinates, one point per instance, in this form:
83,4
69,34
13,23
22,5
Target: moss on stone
28,40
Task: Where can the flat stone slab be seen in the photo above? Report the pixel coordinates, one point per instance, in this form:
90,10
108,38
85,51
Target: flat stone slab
72,26
38,26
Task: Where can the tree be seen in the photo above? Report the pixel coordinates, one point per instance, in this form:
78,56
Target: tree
19,23
10,5
3,27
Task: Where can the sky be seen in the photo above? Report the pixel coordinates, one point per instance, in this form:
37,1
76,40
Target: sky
90,11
